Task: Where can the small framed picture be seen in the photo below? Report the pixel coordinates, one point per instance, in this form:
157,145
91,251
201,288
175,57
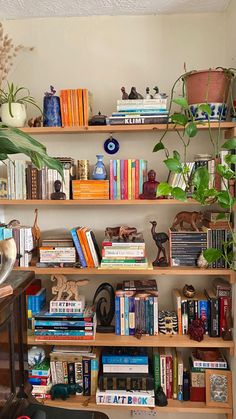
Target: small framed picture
218,388
3,188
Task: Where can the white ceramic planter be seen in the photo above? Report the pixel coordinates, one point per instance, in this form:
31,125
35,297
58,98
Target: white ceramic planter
18,112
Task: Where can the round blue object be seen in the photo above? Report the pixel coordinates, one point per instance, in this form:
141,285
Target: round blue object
111,145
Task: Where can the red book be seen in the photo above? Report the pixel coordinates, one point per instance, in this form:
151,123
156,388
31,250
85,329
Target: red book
224,303
136,179
169,377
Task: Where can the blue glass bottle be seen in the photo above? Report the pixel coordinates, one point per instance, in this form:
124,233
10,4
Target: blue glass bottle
99,171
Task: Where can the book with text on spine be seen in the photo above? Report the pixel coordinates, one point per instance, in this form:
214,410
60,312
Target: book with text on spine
126,398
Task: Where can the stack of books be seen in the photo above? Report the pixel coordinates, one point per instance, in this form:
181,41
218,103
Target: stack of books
168,371
58,251
76,365
90,189
65,326
186,246
75,107
39,376
24,243
140,111
210,306
127,178
124,254
136,308
86,247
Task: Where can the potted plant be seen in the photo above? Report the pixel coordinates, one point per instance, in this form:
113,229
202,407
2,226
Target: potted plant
13,102
186,124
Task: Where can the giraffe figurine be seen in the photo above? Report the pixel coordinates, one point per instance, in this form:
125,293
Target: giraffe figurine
36,232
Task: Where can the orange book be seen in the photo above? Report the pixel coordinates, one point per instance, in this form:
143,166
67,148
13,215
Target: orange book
85,106
90,258
75,107
81,240
64,108
69,108
80,107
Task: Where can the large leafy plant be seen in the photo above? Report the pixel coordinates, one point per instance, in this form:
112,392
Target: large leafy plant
14,141
187,127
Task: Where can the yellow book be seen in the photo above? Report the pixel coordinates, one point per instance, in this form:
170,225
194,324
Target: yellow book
129,179
118,178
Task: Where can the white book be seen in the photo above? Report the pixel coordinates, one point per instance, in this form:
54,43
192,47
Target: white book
92,248
126,368
126,398
163,370
22,247
224,182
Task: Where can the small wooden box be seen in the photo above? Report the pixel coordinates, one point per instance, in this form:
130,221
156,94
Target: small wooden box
197,394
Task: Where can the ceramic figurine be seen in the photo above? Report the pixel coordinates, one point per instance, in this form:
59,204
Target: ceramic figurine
160,397
134,94
66,289
202,262
148,94
105,307
125,95
189,291
150,186
160,239
51,109
191,218
157,95
58,194
99,171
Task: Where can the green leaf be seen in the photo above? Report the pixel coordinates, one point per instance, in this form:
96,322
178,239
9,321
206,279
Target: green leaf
225,199
173,165
230,144
176,155
179,118
221,216
224,171
230,159
181,101
3,156
191,129
204,107
164,189
179,194
159,146
201,178
211,255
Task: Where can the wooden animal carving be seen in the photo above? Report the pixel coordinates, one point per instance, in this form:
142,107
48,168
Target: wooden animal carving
66,289
111,232
36,232
191,218
122,232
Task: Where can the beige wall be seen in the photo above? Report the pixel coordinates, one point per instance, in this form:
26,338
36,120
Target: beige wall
103,54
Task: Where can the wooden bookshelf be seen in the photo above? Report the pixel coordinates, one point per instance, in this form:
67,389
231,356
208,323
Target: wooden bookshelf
93,202
119,128
168,271
174,406
163,341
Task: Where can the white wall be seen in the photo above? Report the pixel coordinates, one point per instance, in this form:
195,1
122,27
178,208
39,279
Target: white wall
103,54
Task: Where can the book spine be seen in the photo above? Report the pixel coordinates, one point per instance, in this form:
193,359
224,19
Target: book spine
156,370
78,248
163,372
117,316
190,308
65,371
133,178
118,179
213,323
124,359
131,316
94,375
184,312
125,179
111,179
151,316
225,304
87,377
59,372
115,178
129,179
53,372
180,380
122,180
126,315
204,313
169,377
122,316
155,316
125,368
137,164
79,372
175,376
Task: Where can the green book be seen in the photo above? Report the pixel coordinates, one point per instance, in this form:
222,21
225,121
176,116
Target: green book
156,368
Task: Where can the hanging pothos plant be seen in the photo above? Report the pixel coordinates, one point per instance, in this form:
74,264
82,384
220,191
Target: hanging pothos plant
187,127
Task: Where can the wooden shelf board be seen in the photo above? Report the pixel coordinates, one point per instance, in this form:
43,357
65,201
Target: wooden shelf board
167,341
174,406
93,202
117,128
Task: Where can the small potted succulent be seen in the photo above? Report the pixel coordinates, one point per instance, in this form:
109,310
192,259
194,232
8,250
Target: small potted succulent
13,105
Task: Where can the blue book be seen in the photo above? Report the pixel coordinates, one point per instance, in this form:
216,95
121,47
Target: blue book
48,332
7,233
131,316
62,323
78,247
117,315
203,312
122,179
126,315
151,315
115,178
125,359
147,316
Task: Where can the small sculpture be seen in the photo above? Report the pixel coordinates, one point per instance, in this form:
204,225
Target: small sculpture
150,186
160,397
202,262
157,95
160,239
68,287
63,391
125,95
196,330
36,232
227,328
189,291
134,94
58,194
122,232
192,218
35,122
148,94
51,93
105,314
168,322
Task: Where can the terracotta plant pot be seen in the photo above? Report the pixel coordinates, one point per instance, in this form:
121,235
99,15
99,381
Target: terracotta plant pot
211,86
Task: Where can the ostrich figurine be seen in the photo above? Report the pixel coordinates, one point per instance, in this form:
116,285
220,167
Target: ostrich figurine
160,239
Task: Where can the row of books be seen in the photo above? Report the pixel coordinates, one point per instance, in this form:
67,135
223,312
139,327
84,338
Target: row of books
124,254
140,111
75,107
136,308
24,243
210,306
127,178
65,326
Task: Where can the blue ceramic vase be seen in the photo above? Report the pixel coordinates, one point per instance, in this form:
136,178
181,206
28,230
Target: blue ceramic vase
99,171
51,111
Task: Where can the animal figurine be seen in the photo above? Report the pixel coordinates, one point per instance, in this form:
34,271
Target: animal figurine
192,218
125,95
36,232
148,94
123,232
35,122
157,95
189,291
105,307
68,287
160,397
63,391
134,94
160,239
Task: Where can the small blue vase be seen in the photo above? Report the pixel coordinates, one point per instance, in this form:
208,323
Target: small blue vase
99,171
51,111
